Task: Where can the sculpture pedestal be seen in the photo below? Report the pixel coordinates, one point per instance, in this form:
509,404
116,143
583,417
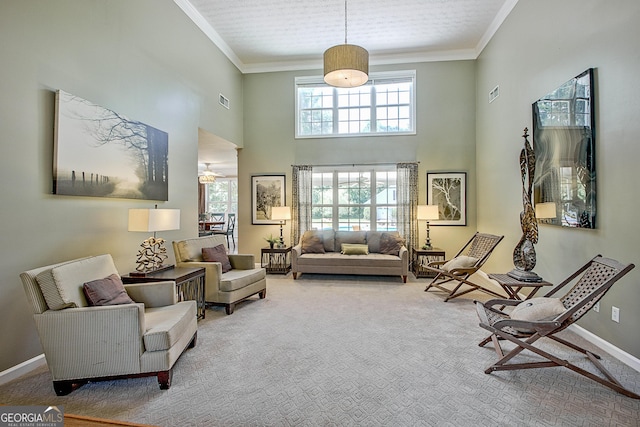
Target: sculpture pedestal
524,276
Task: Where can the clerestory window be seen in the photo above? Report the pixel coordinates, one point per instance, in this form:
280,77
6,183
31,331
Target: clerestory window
384,105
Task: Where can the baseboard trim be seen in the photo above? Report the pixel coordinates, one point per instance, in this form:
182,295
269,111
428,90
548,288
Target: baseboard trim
22,369
621,355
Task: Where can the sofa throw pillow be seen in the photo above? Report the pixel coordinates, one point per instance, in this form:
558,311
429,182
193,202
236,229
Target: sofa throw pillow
539,308
312,243
461,261
217,254
354,249
107,291
390,244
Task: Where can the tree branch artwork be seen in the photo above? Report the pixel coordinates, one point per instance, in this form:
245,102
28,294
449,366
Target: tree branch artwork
102,153
447,190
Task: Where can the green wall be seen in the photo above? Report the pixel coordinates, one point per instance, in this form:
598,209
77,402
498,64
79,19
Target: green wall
445,141
142,58
542,44
147,60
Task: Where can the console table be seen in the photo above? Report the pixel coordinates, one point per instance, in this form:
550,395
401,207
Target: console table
276,260
189,284
422,257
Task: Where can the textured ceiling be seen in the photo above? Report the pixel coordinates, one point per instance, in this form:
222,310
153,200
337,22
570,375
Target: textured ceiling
267,35
278,35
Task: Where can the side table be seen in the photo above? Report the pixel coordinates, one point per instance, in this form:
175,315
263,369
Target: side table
189,284
276,260
512,286
422,257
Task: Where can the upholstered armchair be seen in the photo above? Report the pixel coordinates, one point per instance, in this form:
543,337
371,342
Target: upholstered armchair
144,334
242,280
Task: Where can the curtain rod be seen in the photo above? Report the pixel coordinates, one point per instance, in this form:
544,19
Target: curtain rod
357,164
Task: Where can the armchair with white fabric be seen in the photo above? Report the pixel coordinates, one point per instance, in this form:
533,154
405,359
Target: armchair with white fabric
82,343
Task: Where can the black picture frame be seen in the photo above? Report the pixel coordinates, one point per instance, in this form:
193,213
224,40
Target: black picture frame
267,191
448,190
564,143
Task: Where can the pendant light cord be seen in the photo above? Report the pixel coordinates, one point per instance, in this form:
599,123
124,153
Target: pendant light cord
345,21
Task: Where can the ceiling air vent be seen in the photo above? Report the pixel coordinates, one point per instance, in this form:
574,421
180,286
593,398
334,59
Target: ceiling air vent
223,100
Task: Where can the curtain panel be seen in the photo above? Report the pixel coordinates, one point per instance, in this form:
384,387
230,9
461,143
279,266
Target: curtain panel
407,184
202,202
302,187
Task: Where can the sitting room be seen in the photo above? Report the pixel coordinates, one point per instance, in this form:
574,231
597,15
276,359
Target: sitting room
310,342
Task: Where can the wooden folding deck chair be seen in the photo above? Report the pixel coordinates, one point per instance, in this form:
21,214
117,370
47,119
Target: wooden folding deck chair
596,278
466,262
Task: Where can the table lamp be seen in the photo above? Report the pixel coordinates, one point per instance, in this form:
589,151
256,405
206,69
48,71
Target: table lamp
282,214
428,213
153,253
545,211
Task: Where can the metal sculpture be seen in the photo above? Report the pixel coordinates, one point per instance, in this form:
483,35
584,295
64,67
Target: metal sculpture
152,255
524,254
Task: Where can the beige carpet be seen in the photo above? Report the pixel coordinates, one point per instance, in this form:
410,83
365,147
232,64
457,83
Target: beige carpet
346,351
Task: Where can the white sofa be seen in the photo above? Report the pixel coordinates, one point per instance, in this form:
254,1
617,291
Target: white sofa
84,343
230,288
319,251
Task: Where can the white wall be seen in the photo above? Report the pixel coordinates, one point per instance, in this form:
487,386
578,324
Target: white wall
142,58
541,45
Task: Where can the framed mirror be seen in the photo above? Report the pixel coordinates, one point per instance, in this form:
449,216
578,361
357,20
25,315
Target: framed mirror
564,145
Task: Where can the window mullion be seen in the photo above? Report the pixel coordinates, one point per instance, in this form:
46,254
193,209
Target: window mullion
373,110
334,208
336,111
373,221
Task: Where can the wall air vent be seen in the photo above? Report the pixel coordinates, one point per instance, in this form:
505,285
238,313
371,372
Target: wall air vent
223,100
494,93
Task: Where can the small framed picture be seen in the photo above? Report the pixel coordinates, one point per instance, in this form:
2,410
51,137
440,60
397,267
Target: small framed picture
267,191
448,190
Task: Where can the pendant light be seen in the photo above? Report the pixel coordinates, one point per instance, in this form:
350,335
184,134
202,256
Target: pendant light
346,65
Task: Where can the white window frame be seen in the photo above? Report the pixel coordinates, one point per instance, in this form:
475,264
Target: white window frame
373,77
232,197
372,223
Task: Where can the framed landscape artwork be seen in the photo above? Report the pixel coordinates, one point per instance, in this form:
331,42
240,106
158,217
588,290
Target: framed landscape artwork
267,191
101,153
448,190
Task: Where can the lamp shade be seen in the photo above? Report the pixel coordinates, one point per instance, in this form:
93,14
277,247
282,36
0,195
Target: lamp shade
281,213
428,212
346,65
154,219
545,210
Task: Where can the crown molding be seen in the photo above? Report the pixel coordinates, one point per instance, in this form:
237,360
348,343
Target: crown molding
374,59
209,31
506,9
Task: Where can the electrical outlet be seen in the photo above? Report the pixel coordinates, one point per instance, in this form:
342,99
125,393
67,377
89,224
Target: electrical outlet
596,307
615,314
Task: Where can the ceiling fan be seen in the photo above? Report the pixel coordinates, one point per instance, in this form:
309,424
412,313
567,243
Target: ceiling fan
208,176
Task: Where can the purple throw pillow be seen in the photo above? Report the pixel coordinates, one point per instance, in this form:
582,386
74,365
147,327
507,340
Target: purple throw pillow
107,291
217,254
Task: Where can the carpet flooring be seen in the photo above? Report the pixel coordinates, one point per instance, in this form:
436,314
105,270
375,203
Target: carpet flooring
347,351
